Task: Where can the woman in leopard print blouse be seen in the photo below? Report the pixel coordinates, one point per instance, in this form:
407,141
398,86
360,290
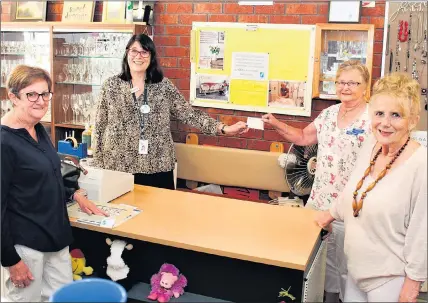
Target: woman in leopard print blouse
132,133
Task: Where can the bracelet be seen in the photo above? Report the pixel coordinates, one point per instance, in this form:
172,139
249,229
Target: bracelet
222,129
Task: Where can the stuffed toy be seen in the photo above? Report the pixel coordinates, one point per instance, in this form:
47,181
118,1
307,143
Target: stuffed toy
78,264
116,267
167,283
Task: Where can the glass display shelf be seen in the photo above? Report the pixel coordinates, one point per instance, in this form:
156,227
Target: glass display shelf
337,43
79,57
88,57
69,125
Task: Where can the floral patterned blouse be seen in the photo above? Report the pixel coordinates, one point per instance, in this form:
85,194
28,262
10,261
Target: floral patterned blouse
337,155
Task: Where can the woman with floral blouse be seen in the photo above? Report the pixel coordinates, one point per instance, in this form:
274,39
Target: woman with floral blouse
340,131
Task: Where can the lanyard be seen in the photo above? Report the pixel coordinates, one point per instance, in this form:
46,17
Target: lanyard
140,114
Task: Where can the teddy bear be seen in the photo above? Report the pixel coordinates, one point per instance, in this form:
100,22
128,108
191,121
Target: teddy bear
167,283
78,264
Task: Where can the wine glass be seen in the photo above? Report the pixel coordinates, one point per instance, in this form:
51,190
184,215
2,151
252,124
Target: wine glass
66,71
74,107
65,105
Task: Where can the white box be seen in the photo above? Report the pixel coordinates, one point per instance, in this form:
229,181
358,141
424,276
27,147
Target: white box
104,185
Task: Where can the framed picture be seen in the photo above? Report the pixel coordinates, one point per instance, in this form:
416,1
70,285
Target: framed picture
114,11
28,11
80,11
344,11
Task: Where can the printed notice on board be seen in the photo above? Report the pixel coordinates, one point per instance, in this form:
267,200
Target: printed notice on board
250,66
211,49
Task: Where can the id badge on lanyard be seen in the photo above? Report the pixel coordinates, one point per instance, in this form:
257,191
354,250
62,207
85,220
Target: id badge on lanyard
143,145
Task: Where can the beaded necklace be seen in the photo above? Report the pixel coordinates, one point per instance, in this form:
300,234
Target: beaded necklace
358,206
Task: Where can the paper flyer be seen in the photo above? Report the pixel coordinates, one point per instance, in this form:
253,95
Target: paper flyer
119,213
250,66
211,49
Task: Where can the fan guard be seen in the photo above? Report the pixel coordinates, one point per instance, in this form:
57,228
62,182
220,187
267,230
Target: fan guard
300,168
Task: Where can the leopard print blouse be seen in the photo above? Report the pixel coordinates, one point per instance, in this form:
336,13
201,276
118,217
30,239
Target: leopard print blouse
117,126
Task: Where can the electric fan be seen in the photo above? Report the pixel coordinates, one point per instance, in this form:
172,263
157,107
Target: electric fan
300,166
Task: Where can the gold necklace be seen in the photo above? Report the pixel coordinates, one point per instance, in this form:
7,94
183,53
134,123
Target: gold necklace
358,206
349,110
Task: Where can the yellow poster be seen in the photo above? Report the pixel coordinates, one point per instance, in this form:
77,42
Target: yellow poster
249,92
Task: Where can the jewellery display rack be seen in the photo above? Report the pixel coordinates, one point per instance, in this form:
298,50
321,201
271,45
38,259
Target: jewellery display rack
335,44
406,49
79,57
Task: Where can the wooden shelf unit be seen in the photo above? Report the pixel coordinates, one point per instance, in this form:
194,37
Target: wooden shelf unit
330,32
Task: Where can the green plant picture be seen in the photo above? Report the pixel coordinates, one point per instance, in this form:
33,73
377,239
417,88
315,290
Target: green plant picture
215,50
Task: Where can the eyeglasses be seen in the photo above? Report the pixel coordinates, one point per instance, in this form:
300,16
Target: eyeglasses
133,53
349,83
33,96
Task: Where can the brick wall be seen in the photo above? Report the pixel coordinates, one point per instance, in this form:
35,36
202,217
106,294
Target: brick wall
173,20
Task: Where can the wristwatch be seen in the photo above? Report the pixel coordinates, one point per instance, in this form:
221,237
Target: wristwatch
222,129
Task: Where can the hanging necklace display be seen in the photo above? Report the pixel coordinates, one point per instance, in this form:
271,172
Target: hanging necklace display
418,33
397,61
424,46
403,30
397,51
401,8
409,39
414,70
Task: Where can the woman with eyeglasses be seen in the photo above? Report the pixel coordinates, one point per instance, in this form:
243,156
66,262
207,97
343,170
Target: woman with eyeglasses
384,204
132,127
340,131
35,228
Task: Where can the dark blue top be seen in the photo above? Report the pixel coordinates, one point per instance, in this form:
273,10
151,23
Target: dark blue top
33,203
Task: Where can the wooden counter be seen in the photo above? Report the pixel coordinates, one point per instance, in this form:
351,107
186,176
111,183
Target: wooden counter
262,233
231,250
